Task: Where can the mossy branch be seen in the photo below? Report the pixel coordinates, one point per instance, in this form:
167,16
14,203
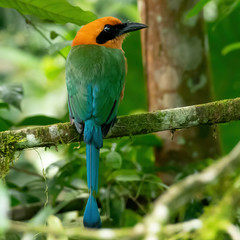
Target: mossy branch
170,119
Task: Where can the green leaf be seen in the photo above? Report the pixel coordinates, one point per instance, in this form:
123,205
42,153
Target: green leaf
59,11
197,8
54,48
53,35
114,160
153,179
12,94
38,120
125,175
230,48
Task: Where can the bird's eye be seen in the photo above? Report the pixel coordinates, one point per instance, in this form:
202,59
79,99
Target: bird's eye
107,28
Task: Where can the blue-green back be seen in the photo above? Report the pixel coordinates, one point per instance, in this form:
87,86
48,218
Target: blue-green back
95,78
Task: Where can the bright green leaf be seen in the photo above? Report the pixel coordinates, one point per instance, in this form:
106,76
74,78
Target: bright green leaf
38,120
59,11
114,160
197,8
230,48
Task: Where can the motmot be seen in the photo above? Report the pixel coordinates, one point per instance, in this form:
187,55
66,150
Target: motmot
95,79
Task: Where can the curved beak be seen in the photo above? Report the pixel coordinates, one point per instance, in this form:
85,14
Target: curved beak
130,27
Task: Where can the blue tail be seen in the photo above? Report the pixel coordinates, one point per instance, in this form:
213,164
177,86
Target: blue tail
93,140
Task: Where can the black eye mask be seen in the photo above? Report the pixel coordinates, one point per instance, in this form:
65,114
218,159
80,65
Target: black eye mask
109,32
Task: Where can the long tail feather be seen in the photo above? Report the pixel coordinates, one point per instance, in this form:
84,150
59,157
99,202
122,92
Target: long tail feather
93,140
91,217
92,166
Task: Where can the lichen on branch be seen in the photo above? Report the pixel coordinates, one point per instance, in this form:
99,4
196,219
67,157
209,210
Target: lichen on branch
170,119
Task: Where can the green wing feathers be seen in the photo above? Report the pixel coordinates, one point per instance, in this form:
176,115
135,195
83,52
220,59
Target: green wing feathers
95,78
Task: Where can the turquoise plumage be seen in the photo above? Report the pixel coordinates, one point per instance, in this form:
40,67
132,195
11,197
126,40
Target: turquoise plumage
95,78
95,72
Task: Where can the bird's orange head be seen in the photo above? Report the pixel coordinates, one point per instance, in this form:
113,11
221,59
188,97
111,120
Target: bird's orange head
107,31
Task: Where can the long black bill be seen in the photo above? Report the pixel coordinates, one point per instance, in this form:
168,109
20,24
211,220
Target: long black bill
130,27
113,31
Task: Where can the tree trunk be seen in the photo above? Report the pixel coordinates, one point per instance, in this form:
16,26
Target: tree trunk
174,56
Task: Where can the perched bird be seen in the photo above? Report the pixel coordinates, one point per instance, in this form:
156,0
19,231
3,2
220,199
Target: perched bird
95,72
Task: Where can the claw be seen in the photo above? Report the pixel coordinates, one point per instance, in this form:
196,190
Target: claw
71,120
79,127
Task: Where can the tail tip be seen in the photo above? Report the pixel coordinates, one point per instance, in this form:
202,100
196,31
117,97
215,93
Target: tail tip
91,218
92,224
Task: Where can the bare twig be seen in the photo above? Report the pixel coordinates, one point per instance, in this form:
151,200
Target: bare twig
26,172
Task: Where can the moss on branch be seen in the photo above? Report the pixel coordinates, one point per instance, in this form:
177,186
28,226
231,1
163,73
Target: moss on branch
170,119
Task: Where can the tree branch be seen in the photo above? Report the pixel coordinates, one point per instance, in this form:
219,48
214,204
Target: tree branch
170,119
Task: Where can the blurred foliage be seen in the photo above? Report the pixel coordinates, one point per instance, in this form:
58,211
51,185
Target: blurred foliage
11,94
32,76
197,8
224,7
222,32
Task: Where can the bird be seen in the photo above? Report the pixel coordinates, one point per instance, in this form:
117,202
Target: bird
95,78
